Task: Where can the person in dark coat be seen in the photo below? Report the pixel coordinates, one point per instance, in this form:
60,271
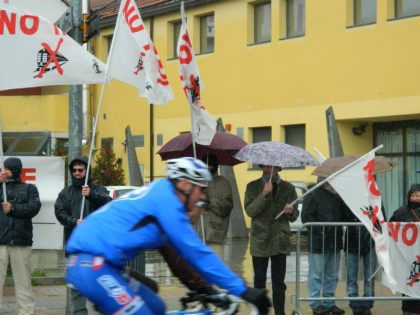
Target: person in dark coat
360,245
409,213
16,215
324,244
68,207
270,241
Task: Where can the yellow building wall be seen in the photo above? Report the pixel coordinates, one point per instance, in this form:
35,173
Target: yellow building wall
34,113
367,74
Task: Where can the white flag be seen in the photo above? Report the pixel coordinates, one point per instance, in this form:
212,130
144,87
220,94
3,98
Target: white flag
357,187
203,125
133,58
404,252
34,52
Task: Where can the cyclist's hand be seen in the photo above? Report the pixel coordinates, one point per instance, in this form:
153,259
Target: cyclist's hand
259,298
207,289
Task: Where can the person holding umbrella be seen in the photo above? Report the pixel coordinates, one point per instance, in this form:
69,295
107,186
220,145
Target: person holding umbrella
265,198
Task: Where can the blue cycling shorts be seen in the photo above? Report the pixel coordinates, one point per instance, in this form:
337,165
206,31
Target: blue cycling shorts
109,288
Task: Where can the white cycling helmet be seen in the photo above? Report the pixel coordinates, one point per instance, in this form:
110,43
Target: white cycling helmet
189,168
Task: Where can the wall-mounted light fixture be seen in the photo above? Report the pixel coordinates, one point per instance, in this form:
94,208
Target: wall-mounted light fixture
359,129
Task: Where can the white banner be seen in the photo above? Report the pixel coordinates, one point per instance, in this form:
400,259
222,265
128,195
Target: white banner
52,10
404,252
357,187
34,52
203,126
47,174
134,59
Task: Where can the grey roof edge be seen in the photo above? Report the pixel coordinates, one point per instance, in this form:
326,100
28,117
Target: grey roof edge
157,10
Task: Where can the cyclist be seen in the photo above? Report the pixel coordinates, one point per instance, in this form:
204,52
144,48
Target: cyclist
151,217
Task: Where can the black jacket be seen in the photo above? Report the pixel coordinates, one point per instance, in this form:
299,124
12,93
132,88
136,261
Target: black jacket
69,202
409,212
16,226
323,206
358,240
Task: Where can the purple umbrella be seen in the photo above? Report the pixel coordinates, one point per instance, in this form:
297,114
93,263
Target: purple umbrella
223,145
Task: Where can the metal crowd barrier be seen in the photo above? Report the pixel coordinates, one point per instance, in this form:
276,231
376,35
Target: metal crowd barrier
298,294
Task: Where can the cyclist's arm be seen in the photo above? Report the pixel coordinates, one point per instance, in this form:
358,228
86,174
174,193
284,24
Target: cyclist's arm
201,258
180,269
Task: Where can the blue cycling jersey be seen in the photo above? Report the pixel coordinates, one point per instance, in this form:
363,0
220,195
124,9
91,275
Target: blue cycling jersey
148,218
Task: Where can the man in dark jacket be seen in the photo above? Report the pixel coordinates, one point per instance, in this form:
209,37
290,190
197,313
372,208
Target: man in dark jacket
410,213
359,245
325,244
68,207
16,215
265,198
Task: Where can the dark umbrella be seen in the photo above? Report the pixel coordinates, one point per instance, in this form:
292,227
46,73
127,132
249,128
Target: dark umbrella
223,145
382,164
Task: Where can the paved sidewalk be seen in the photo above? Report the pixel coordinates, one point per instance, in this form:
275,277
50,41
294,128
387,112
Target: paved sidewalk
51,300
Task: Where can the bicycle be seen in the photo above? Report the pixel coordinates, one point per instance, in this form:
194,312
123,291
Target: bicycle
209,304
194,303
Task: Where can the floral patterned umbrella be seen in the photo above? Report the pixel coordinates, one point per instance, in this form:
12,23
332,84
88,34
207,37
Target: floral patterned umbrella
275,153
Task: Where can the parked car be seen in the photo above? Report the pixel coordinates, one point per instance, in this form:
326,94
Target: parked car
117,191
301,188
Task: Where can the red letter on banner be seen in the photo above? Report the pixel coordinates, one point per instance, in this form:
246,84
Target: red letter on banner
130,20
25,175
9,22
31,29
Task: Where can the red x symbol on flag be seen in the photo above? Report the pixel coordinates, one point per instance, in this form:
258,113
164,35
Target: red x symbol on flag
53,58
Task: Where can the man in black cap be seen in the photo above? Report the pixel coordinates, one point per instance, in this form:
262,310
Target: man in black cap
68,207
16,215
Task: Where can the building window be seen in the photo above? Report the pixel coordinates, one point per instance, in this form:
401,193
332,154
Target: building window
363,12
295,18
27,143
138,141
401,141
176,29
207,34
295,135
159,139
107,143
240,132
109,42
262,23
260,134
406,8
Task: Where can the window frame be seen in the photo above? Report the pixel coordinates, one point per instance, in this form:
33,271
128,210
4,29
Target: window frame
201,19
253,130
397,11
287,134
289,10
257,41
356,19
176,30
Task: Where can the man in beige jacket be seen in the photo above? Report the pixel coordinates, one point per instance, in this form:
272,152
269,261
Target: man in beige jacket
217,213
